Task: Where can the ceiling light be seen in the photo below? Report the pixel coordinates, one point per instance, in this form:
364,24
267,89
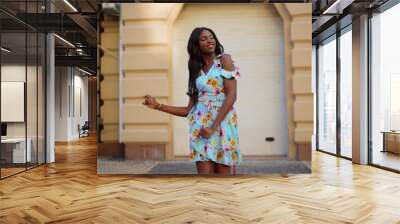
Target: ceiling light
337,7
70,5
79,51
65,41
333,6
86,72
5,49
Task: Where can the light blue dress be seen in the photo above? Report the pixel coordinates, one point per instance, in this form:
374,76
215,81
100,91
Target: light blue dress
223,146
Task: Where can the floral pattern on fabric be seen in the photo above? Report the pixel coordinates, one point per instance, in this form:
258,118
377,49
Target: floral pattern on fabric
223,146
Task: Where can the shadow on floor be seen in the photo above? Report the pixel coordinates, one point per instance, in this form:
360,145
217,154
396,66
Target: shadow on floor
109,165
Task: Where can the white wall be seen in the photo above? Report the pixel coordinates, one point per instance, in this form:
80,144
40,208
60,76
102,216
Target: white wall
70,83
12,73
62,81
12,101
33,127
80,83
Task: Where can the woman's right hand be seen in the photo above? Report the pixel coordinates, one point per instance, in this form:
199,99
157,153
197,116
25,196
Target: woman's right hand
150,102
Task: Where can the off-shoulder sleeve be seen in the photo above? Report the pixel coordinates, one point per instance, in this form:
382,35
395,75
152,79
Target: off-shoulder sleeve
228,74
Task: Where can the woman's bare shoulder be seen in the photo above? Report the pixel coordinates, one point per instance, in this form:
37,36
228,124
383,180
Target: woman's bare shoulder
227,62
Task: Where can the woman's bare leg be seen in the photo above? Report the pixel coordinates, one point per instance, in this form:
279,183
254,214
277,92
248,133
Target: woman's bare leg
205,167
222,169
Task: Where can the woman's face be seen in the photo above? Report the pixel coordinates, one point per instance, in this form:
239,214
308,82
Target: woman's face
207,42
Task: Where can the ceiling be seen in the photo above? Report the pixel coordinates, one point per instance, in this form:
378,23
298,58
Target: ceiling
332,15
79,27
205,1
34,6
73,20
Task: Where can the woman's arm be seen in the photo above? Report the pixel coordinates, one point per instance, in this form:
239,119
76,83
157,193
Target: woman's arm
177,111
230,86
230,92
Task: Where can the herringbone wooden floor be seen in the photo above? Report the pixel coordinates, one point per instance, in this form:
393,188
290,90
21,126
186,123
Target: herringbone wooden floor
70,191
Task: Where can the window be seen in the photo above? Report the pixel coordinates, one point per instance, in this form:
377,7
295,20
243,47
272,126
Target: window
333,137
22,75
346,93
327,95
385,89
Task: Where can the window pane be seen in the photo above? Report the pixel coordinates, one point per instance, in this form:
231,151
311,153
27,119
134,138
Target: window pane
31,96
14,150
327,96
41,98
386,89
22,81
345,94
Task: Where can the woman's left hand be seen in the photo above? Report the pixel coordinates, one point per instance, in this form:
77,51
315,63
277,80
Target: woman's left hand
206,132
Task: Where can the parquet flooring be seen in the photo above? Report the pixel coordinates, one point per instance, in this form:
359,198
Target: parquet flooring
10,171
70,191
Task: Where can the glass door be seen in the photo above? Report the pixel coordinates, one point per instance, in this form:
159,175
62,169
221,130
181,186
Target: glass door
14,154
22,101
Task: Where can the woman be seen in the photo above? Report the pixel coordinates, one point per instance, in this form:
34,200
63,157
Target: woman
214,140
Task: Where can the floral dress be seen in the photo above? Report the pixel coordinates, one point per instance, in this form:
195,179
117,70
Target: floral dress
223,145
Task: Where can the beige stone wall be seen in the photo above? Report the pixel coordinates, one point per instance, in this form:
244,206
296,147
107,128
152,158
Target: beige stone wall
110,77
145,70
298,48
146,67
301,48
